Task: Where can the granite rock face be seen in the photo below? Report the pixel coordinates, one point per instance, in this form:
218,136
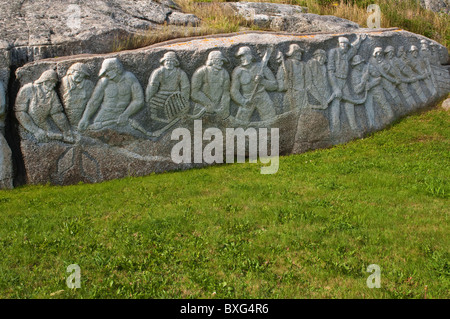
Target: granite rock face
98,117
6,166
436,5
40,29
290,18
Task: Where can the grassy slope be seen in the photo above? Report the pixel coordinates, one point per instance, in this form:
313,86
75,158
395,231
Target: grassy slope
227,231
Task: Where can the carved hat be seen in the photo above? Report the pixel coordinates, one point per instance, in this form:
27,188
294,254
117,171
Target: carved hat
357,60
320,52
49,75
377,49
78,67
216,55
413,48
423,41
170,56
243,50
343,39
294,48
108,64
389,48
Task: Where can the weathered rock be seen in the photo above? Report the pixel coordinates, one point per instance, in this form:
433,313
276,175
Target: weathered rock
317,89
290,18
42,29
6,167
436,5
446,104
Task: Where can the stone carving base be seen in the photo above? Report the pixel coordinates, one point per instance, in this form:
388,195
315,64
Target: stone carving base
6,169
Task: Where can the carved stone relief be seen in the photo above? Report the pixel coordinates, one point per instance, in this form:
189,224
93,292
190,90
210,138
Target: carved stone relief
338,70
117,96
250,82
211,87
291,77
316,75
36,104
168,90
77,88
356,87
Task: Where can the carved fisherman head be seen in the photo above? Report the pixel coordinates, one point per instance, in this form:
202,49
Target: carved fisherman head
414,51
78,72
378,54
401,53
357,62
423,44
170,60
245,55
389,51
343,43
48,80
111,68
216,60
433,47
295,52
320,56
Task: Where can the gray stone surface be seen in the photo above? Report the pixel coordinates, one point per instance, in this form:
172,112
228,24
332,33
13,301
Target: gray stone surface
446,104
6,168
290,18
436,5
318,90
37,29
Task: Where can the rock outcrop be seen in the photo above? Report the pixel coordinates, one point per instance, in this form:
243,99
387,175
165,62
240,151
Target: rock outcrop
40,29
289,18
436,5
171,106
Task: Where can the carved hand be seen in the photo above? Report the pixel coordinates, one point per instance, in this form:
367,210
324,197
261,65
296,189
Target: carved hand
123,119
41,135
54,136
82,125
97,126
246,101
68,137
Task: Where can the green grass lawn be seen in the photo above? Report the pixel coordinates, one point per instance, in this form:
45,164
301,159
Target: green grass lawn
309,231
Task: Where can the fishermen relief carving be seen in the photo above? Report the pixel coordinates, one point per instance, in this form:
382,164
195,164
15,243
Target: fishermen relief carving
332,82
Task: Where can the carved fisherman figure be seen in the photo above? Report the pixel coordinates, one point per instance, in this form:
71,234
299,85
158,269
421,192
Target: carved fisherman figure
420,68
401,62
291,78
6,169
388,79
249,84
211,86
362,84
37,103
317,78
394,72
168,90
426,56
77,89
118,94
376,94
338,70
